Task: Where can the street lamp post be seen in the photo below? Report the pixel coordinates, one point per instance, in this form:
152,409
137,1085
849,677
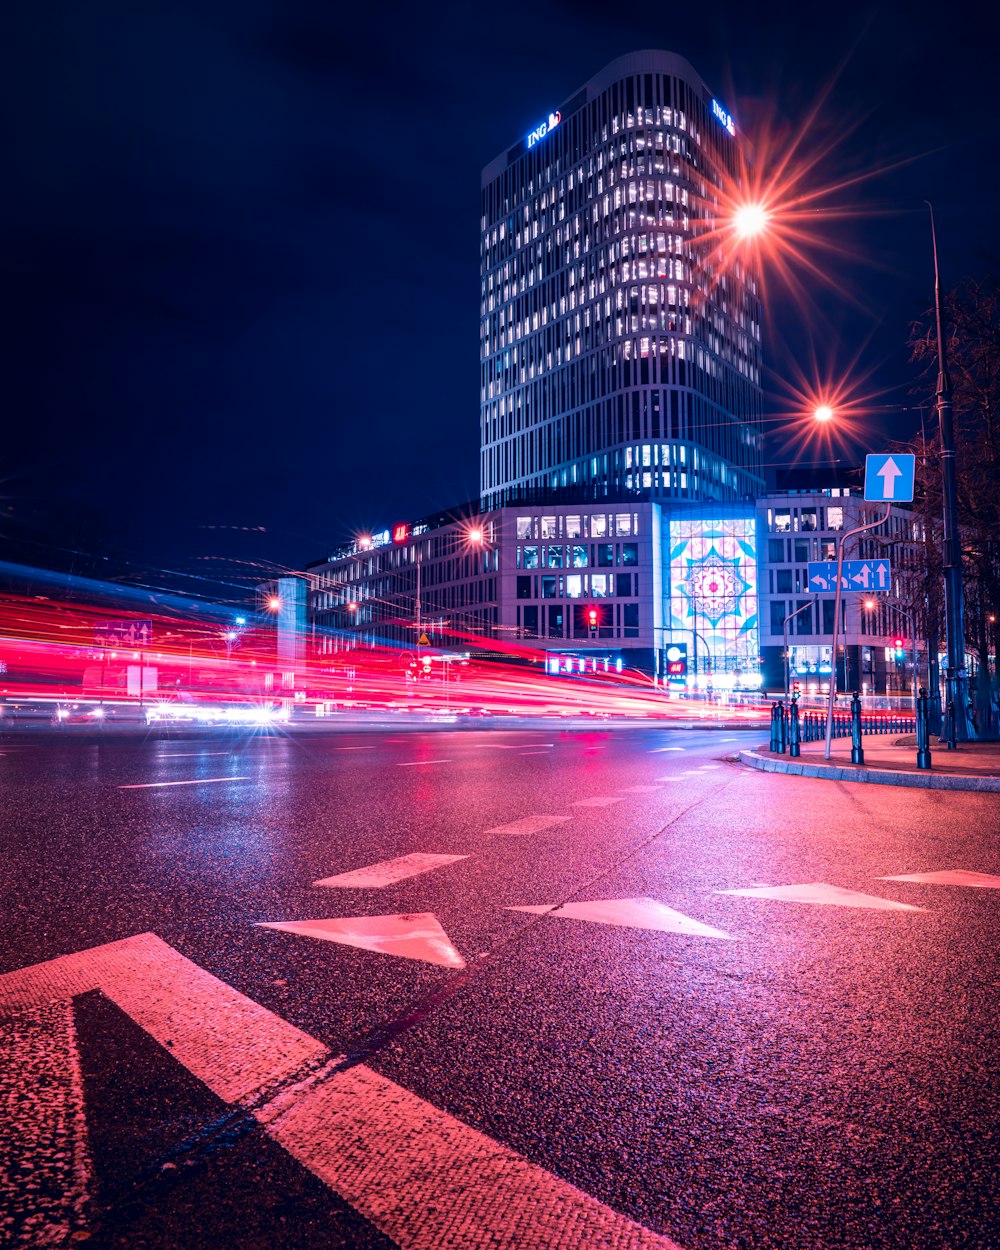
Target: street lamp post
956,681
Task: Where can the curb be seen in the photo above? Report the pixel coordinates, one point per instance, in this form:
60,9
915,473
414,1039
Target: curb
875,776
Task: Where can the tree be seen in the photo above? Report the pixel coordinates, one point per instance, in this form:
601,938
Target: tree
972,327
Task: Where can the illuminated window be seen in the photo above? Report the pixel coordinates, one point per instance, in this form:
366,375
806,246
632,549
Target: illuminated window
623,523
573,527
574,586
549,527
579,557
601,584
835,518
531,557
524,527
598,526
548,587
555,557
782,522
630,553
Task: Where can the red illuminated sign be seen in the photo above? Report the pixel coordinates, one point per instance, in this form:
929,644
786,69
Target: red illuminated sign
400,533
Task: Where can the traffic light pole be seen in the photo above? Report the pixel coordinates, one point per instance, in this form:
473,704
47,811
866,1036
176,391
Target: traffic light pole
836,621
785,631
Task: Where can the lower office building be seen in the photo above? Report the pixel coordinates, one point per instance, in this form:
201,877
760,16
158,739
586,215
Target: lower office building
708,595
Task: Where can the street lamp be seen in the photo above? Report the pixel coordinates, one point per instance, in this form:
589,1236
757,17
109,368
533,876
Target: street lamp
954,608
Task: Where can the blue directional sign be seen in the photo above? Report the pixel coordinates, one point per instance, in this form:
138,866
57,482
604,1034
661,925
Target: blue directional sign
857,575
889,478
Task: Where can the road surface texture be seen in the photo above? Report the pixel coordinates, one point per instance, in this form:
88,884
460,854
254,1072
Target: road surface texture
520,988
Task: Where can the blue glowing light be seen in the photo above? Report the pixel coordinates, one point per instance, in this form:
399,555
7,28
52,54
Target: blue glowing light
544,128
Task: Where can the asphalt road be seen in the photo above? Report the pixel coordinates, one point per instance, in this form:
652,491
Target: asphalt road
717,1069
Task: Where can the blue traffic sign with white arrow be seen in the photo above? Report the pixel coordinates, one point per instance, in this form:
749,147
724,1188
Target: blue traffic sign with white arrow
889,478
856,575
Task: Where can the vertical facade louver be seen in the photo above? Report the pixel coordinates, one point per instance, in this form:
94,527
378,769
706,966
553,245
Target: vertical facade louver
619,344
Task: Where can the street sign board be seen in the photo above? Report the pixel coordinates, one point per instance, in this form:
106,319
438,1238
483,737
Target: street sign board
889,478
123,633
870,575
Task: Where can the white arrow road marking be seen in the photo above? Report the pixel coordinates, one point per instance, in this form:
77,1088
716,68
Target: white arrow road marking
44,1162
423,1178
414,935
951,876
820,892
389,871
630,913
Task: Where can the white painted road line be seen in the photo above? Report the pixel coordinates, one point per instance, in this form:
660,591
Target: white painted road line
602,800
195,781
416,763
44,1162
423,1178
528,824
389,871
658,750
187,755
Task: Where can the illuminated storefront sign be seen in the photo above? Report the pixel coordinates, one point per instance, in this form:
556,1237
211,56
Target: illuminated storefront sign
400,533
542,130
724,118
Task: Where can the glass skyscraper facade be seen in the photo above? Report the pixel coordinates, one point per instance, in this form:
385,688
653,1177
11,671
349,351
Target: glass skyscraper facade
619,343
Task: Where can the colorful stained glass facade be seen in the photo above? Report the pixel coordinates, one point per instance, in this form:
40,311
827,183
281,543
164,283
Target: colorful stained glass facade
712,595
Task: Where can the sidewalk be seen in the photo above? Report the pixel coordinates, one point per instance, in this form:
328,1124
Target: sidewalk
890,762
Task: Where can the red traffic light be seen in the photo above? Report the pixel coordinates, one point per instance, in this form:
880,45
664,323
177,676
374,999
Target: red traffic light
898,643
592,617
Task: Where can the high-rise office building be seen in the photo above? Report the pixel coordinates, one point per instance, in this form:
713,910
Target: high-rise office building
619,331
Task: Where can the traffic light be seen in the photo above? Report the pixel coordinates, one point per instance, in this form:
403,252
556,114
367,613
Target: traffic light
796,687
592,619
898,644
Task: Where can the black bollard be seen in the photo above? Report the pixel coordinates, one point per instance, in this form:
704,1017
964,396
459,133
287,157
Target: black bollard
923,750
774,726
794,750
782,728
857,753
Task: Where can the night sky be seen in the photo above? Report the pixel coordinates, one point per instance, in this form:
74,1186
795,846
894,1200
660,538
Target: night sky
240,240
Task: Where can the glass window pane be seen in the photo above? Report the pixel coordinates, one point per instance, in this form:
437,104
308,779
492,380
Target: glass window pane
531,557
524,527
579,557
